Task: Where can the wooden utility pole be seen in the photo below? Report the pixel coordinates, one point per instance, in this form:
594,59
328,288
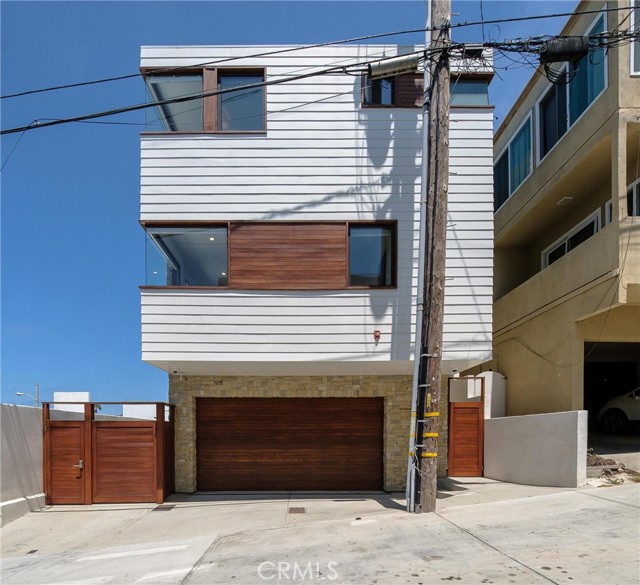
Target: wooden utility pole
428,412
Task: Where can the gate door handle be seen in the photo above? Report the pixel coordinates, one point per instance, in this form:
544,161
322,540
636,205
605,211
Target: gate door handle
80,464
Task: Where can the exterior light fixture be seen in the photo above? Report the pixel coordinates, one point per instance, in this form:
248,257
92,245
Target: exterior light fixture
376,336
394,66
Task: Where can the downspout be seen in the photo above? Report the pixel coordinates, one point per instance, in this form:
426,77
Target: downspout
412,463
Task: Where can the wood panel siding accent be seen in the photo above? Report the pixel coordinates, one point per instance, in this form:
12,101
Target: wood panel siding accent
124,462
277,255
289,443
408,90
466,439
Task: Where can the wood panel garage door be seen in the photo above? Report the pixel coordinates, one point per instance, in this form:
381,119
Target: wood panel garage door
289,443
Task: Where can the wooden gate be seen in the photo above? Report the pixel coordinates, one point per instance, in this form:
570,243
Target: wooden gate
466,439
107,460
64,443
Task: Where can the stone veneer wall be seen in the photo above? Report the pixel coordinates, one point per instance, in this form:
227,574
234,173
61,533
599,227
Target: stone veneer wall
396,391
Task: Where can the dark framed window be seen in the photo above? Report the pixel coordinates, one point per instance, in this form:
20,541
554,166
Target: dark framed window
371,255
400,91
552,112
378,92
240,107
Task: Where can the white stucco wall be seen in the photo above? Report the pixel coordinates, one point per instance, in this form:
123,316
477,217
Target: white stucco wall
21,488
538,449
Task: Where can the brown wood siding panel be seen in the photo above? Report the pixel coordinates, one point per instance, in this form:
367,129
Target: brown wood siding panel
289,443
409,90
466,440
66,449
124,460
280,255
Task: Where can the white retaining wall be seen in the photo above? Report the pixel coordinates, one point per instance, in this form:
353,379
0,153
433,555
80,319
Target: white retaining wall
537,449
21,470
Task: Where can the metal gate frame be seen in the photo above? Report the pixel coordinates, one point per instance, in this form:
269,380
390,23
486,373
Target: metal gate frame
163,438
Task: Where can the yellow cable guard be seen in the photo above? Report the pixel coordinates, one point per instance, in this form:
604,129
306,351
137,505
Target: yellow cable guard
429,454
431,414
430,434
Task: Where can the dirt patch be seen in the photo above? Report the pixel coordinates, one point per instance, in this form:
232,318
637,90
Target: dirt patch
609,471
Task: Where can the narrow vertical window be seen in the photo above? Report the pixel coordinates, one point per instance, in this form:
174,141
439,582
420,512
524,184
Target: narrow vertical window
587,79
520,156
501,180
241,110
371,255
552,113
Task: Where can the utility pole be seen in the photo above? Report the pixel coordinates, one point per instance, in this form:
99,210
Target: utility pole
429,372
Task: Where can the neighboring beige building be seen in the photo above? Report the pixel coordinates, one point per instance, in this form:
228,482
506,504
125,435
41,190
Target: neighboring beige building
567,229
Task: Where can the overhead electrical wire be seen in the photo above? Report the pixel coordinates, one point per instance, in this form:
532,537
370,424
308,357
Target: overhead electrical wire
534,45
190,97
481,22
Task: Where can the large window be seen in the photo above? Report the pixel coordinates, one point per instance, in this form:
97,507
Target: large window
587,78
233,110
635,45
371,255
571,240
186,256
514,165
576,88
275,255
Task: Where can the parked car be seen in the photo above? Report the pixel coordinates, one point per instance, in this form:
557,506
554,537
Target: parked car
619,411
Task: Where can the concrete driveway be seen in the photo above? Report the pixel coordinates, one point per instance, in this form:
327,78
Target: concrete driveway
624,448
483,532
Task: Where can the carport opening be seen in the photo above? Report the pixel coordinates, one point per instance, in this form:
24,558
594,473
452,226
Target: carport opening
610,370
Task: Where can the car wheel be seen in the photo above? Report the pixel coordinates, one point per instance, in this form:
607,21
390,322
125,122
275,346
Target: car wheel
613,421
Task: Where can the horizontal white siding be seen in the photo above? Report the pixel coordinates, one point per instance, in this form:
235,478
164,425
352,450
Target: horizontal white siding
328,160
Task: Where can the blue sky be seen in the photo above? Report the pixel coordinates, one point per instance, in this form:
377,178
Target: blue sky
72,249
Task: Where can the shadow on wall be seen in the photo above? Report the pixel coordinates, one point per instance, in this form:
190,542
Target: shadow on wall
21,488
389,136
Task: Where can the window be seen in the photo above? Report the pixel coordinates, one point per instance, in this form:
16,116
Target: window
577,87
513,166
371,255
579,234
635,45
379,92
234,110
608,212
276,255
400,91
186,256
587,79
469,92
633,199
552,116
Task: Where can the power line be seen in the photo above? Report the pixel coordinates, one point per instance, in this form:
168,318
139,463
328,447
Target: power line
190,97
481,22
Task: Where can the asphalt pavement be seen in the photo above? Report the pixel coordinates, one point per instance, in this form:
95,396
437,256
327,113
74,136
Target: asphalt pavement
483,532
